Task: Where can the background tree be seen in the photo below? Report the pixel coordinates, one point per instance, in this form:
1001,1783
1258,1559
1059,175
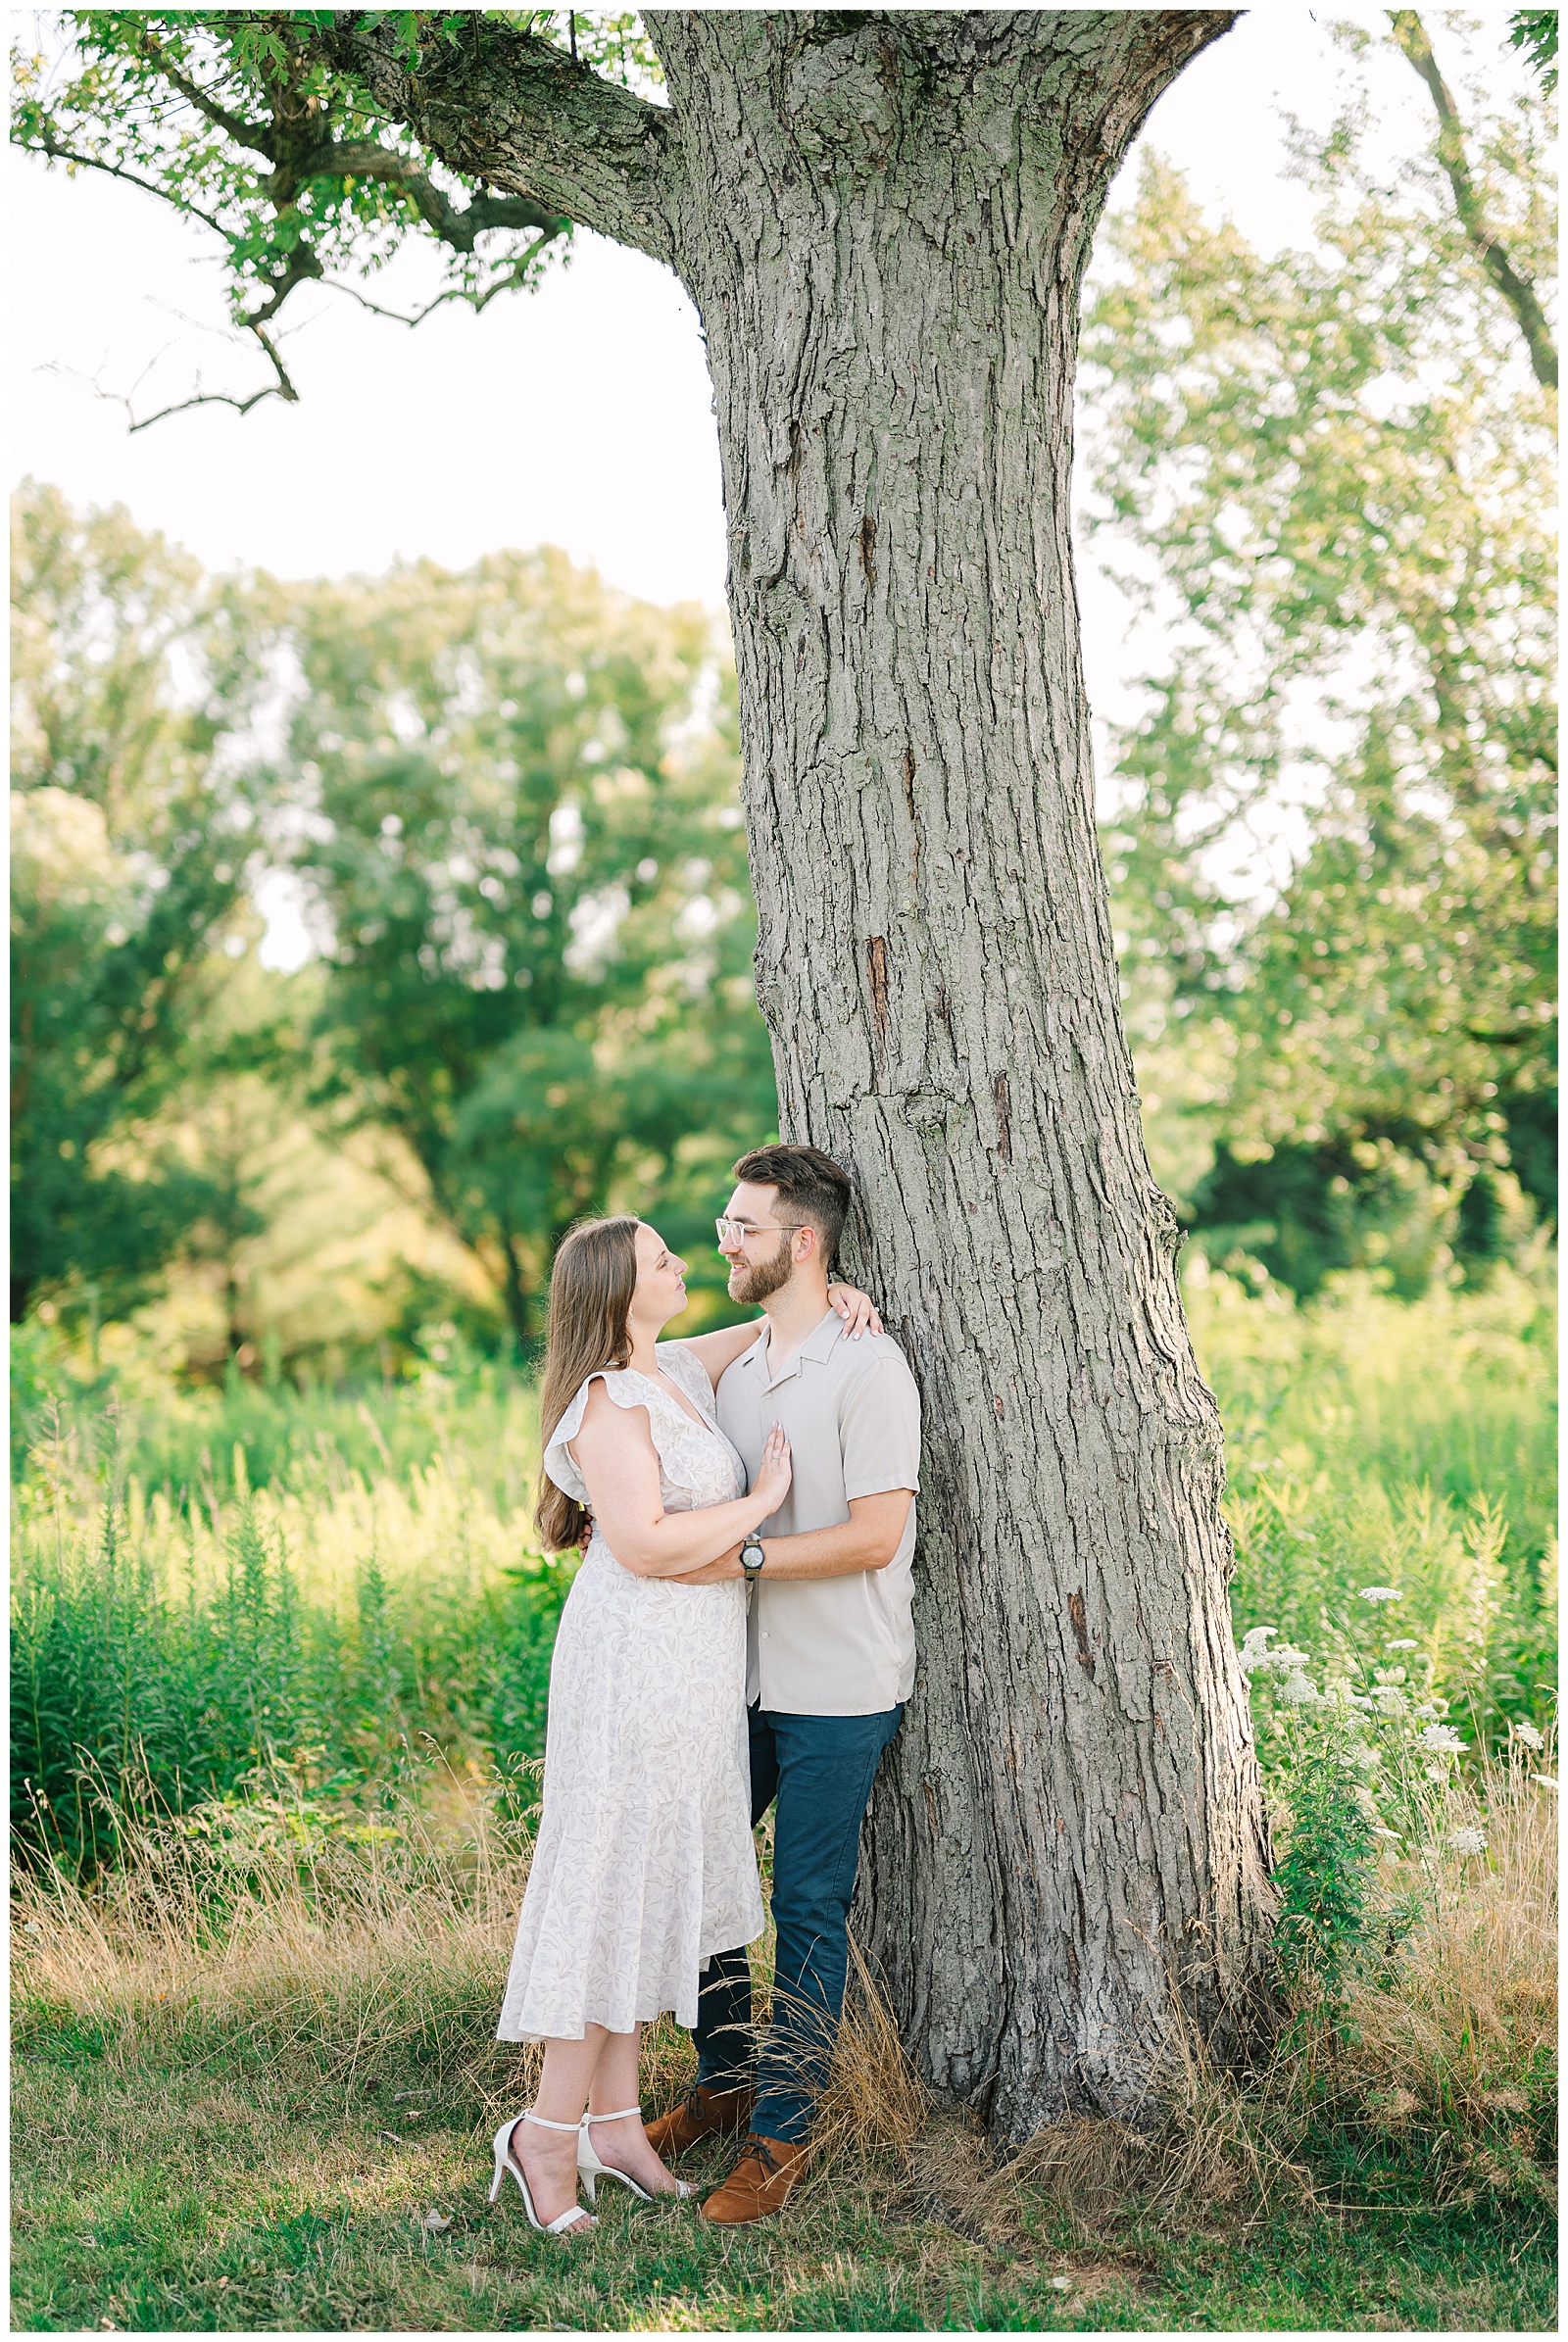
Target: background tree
516,794
1338,463
883,221
129,840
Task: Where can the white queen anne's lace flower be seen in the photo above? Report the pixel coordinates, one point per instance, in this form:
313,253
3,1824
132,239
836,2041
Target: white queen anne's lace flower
1254,1647
1380,1593
1440,1736
1528,1734
1288,1662
1468,1842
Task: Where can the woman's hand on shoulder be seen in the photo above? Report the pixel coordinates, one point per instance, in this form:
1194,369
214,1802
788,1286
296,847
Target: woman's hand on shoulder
856,1309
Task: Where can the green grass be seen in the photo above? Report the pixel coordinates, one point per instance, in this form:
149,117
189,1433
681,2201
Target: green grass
1453,1394
254,2194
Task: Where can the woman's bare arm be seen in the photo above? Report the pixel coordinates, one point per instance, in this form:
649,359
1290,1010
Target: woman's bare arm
715,1352
615,1454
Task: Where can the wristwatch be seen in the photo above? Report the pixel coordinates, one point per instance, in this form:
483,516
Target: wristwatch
753,1558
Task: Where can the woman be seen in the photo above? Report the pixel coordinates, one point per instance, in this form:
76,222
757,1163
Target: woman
644,1865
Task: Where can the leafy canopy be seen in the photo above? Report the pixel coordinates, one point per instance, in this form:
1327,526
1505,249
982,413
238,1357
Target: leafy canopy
518,809
130,839
237,118
1335,466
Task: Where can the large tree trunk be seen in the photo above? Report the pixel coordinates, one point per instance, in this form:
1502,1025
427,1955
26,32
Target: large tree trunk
885,229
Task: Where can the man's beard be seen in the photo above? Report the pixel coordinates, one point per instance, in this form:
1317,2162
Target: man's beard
763,1277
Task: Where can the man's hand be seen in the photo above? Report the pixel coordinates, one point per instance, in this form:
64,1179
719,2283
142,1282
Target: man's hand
866,1541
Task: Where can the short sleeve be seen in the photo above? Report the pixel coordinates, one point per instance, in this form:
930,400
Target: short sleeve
682,1368
879,1428
627,1390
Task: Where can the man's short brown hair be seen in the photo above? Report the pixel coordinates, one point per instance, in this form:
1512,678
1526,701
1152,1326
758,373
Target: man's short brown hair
810,1186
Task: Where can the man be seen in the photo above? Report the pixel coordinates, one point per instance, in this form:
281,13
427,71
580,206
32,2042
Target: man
830,1657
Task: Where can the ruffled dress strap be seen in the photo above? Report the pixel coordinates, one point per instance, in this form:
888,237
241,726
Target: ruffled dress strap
687,1372
626,1388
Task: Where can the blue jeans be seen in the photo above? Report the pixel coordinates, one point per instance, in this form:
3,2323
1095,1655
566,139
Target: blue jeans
820,1769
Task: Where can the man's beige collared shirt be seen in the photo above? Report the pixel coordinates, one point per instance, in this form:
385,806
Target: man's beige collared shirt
830,1646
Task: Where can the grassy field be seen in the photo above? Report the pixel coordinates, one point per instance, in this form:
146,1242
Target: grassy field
255,2080
249,2202
254,1989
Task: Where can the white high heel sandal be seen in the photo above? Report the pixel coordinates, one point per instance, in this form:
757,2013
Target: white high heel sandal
573,2216
590,2169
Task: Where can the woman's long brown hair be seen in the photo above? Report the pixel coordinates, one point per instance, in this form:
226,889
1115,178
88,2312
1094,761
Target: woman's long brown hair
590,1297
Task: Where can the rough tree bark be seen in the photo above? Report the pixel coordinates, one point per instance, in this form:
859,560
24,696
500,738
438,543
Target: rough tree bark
883,219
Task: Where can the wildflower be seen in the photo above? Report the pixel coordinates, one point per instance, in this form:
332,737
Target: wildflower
1285,1661
1441,1737
1378,1831
1544,1779
1435,1773
1254,1652
1468,1842
1406,1642
1528,1734
1380,1593
1297,1692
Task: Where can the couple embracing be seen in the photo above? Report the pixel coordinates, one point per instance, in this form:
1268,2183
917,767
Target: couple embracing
739,1636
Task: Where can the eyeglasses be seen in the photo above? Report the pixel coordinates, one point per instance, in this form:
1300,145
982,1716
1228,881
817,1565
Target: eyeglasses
736,1232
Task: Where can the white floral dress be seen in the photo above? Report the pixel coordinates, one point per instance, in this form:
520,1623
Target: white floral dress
644,1865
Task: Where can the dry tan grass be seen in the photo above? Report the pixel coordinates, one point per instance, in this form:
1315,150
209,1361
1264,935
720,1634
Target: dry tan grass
1473,2004
384,1936
1457,2034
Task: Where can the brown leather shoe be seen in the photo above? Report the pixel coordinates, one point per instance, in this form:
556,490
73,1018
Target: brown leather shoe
702,2113
760,2183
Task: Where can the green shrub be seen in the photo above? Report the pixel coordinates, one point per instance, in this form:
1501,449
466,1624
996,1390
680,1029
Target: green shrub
212,1583
122,1682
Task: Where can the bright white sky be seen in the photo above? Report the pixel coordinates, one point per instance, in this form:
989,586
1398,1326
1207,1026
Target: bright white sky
579,416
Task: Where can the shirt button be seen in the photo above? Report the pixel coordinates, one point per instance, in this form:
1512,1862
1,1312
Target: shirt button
765,1634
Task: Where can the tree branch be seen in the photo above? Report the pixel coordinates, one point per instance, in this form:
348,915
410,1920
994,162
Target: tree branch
512,279
281,388
244,133
1516,290
504,106
49,147
303,269
364,159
